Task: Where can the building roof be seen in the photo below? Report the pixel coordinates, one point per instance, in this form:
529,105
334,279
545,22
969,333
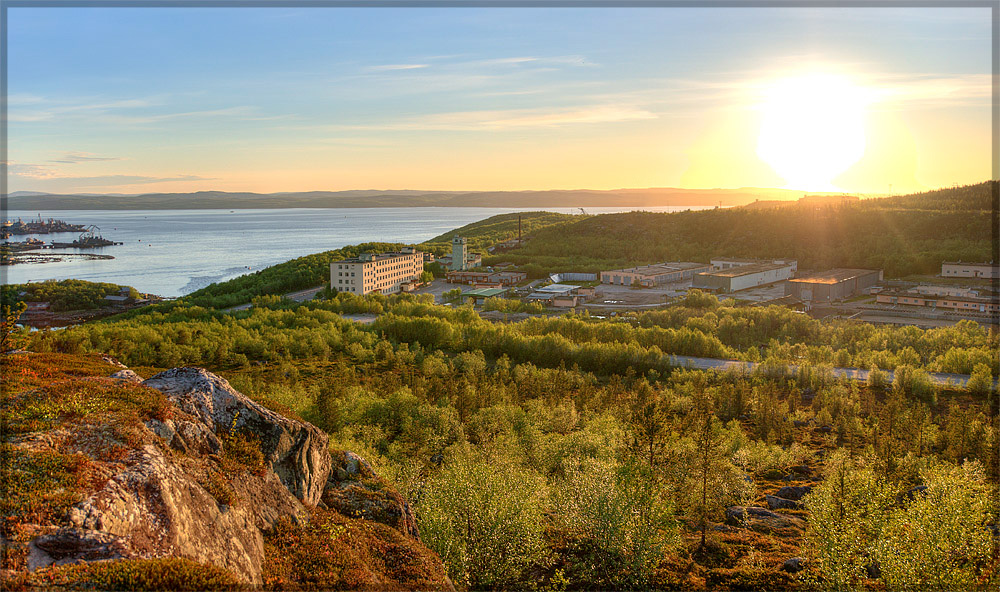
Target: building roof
922,296
378,257
745,269
661,268
557,289
485,292
833,276
737,259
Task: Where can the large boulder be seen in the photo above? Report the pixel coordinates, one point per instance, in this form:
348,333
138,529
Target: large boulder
296,451
779,503
793,492
762,520
354,490
157,509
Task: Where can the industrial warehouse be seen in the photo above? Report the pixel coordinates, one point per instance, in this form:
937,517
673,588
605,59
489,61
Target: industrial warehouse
730,275
835,284
961,303
958,269
653,275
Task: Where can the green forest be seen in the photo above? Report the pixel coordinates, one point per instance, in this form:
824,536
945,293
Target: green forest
65,295
568,453
902,235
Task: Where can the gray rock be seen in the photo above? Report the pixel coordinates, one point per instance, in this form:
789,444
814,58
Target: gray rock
109,360
762,520
793,492
68,545
295,450
794,564
160,510
354,490
911,494
127,376
780,503
873,570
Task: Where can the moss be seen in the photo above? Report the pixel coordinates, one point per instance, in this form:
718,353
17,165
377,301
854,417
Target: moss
241,453
218,487
31,370
39,486
333,552
81,399
170,573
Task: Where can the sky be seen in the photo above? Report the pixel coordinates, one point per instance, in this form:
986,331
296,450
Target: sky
142,100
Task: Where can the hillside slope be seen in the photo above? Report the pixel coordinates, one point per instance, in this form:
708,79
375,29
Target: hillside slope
901,235
182,480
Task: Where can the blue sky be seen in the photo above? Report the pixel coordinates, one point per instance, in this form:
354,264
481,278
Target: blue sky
174,99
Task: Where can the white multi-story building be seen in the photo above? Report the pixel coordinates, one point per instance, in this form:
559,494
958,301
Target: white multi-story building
386,272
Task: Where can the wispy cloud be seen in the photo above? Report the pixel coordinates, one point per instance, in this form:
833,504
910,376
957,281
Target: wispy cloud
509,119
76,157
390,67
48,174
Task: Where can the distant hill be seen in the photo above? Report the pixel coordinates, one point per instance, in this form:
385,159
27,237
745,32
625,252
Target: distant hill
903,235
652,197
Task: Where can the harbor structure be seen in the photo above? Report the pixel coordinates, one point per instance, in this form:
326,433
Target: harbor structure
656,274
961,269
386,273
834,284
743,275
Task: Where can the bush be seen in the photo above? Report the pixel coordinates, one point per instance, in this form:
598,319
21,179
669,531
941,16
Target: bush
619,521
483,517
941,538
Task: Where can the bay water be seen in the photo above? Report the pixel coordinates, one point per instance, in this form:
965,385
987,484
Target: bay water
175,252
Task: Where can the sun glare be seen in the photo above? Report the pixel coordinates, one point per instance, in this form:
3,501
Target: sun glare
812,129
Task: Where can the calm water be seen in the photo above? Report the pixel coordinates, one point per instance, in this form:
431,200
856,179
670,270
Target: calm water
175,252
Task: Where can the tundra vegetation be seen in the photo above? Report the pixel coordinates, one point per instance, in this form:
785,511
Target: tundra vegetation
569,453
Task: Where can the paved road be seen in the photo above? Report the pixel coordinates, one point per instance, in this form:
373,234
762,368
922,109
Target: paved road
304,295
938,378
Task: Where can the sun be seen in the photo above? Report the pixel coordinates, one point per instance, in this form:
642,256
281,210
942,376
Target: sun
812,129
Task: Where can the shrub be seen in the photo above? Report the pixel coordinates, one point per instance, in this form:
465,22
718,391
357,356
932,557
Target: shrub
484,518
619,521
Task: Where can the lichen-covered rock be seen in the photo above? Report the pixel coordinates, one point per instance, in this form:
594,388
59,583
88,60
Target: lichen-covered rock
194,472
762,520
189,437
127,375
792,492
354,490
296,451
69,545
779,503
157,509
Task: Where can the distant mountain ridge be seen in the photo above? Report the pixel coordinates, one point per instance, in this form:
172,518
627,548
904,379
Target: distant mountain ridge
573,198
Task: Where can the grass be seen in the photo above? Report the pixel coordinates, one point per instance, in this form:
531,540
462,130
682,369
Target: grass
333,552
169,573
39,486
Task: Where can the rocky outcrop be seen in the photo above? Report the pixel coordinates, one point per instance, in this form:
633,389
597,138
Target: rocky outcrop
779,503
181,488
794,493
296,451
762,520
354,490
158,509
